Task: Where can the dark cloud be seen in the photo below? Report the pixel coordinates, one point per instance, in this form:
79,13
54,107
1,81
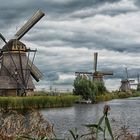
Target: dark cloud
115,12
78,39
80,27
121,73
50,75
12,12
137,2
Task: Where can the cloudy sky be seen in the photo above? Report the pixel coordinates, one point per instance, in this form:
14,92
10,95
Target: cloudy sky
71,31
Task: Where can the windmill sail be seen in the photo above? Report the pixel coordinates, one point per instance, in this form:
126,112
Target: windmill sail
126,73
107,73
138,78
3,38
95,61
35,72
29,24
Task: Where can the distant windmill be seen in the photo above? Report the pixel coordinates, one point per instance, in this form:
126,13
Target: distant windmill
137,84
16,67
96,75
126,83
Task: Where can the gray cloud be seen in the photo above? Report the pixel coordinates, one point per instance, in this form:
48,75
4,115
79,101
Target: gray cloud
72,30
11,12
101,39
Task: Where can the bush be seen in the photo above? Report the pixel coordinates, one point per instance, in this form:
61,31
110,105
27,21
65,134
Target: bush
88,89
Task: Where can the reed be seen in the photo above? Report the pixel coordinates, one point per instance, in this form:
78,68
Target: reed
18,125
36,102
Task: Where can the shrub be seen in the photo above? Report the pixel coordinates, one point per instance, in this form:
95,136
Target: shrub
87,88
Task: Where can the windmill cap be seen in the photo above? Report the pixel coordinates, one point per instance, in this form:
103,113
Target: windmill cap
12,45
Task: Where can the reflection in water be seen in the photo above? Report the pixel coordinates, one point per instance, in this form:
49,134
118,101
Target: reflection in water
72,117
127,113
123,112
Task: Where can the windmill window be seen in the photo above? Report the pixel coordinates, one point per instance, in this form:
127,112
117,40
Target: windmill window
14,47
18,47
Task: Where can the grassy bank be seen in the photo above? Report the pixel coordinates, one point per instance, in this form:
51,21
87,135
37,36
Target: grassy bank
37,102
46,101
116,95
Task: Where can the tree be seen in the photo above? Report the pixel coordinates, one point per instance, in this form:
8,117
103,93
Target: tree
88,89
101,87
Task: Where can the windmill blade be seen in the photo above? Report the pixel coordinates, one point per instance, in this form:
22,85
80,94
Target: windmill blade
131,81
126,73
29,24
138,78
95,61
3,38
1,56
35,72
107,73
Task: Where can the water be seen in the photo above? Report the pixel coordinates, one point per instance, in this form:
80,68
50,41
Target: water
123,112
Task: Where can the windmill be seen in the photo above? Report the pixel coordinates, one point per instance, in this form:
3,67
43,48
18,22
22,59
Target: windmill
16,66
125,83
96,75
138,83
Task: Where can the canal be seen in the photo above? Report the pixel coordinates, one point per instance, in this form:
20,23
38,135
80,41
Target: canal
124,112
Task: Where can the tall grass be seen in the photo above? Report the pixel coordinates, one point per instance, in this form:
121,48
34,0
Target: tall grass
37,102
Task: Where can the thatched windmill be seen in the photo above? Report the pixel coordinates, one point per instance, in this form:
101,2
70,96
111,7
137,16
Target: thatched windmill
126,83
96,75
16,66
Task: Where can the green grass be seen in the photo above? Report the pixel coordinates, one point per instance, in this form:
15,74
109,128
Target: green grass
36,102
116,95
46,101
